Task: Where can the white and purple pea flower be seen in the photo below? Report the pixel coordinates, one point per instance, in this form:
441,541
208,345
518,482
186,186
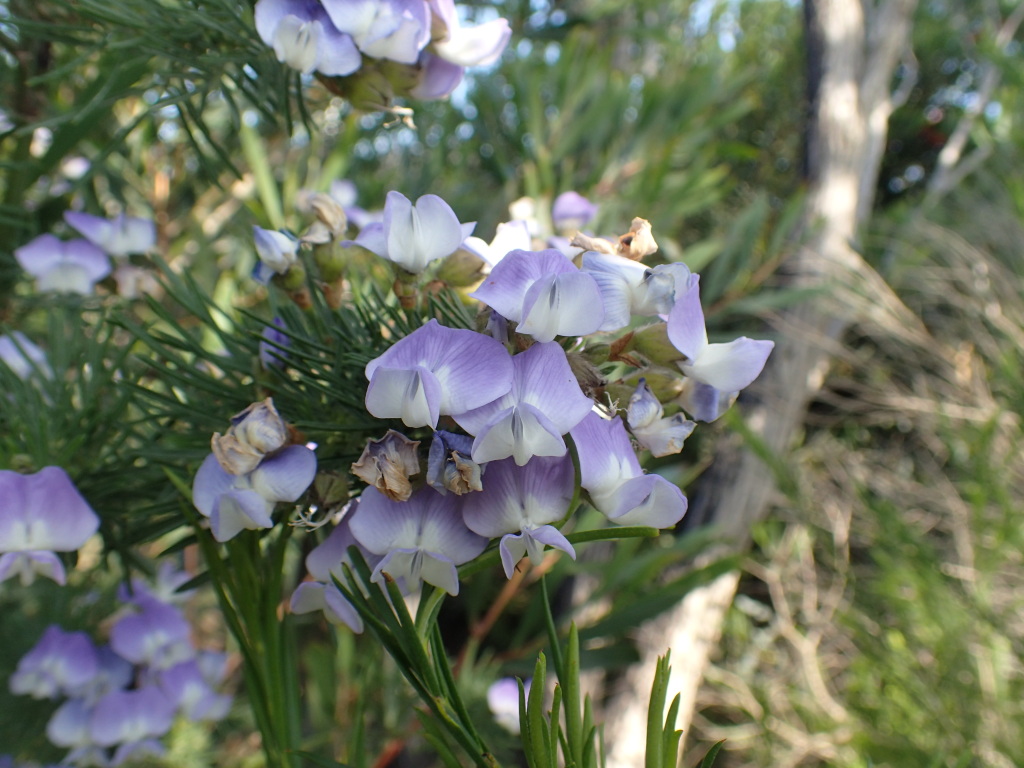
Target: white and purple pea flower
119,237
251,469
60,664
630,288
41,514
646,418
543,403
518,504
727,367
414,236
305,38
611,474
420,540
437,371
23,357
544,293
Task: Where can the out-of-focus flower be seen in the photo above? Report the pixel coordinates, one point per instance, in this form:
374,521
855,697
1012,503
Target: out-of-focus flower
384,29
388,463
23,357
413,236
69,266
270,350
545,293
611,474
467,46
134,282
41,514
519,504
571,211
234,503
304,37
152,633
422,539
436,371
119,237
277,252
132,717
450,466
702,401
727,367
437,78
185,685
59,664
508,237
503,701
544,402
660,436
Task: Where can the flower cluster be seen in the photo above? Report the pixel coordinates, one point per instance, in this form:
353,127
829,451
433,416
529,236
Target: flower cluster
75,266
503,405
121,697
426,47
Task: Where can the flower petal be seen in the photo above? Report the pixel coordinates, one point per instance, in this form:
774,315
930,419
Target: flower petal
730,367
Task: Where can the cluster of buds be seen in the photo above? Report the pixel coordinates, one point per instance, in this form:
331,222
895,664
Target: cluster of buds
502,404
121,697
373,50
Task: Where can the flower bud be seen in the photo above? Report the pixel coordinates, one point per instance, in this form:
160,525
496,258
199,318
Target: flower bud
449,465
461,269
329,212
255,432
653,343
388,463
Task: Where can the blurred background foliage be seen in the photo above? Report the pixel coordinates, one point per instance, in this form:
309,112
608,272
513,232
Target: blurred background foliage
879,617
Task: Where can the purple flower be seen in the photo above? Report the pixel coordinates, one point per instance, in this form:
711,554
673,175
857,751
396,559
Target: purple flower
189,691
618,487
422,539
571,210
704,402
23,357
437,77
273,344
503,701
304,37
510,236
41,514
384,29
519,503
131,716
437,371
326,563
543,404
277,252
155,634
726,367
119,237
545,293
69,725
72,266
59,664
245,502
414,236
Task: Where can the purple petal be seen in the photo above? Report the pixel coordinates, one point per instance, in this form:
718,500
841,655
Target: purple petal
119,237
515,498
643,500
475,46
606,456
437,79
686,321
571,209
237,511
505,289
420,234
58,664
286,475
69,725
211,481
562,305
373,238
521,432
704,402
729,367
158,634
413,394
28,565
189,691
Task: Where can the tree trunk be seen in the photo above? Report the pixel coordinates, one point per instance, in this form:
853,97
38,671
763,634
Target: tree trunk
853,49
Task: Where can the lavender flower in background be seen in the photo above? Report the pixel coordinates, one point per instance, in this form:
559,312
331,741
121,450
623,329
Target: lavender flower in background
545,293
572,211
422,539
118,237
726,367
519,504
72,266
191,693
152,634
23,357
41,514
503,701
618,487
304,37
436,371
271,349
413,236
58,665
132,720
510,236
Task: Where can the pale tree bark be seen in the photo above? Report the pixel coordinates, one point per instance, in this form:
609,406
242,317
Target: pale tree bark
853,51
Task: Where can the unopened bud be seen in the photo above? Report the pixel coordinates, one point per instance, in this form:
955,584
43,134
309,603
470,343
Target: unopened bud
638,242
254,433
654,344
